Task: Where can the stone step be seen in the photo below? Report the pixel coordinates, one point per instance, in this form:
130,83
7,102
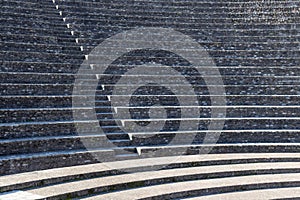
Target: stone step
203,124
201,28
32,23
36,101
226,46
50,144
52,67
42,89
267,50
40,56
214,34
40,66
228,148
21,130
217,33
248,61
37,9
138,80
19,7
212,12
54,79
37,34
29,3
110,80
213,23
231,45
181,3
66,114
64,143
135,79
142,180
60,101
39,16
125,150
230,31
203,112
282,193
43,78
225,137
218,13
39,161
14,116
204,100
28,19
20,102
200,7
66,39
214,48
197,26
104,106
27,129
107,31
221,22
58,175
185,189
70,13
142,112
58,128
219,61
233,40
37,31
46,48
118,138
36,89
159,3
233,59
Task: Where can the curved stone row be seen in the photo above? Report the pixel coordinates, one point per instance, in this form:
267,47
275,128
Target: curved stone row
44,44
283,193
164,178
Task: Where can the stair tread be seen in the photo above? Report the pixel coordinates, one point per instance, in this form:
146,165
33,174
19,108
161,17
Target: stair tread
45,154
184,187
291,192
144,176
15,179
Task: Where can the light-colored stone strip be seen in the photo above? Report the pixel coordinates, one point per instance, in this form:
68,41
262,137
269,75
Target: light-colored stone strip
157,190
65,188
19,195
265,194
9,180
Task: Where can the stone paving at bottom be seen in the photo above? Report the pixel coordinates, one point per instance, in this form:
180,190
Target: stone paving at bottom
19,195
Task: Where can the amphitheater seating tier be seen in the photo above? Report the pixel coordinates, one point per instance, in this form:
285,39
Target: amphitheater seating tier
254,45
199,176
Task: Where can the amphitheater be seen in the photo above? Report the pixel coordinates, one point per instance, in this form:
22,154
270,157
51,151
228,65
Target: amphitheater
150,99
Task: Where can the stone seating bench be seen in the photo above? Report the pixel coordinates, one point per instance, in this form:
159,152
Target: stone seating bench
255,47
186,176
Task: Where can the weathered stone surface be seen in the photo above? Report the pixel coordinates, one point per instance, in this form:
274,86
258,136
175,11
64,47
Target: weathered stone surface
42,47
